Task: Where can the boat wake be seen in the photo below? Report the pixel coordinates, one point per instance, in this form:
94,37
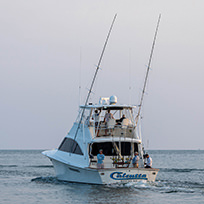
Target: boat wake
158,186
48,179
163,186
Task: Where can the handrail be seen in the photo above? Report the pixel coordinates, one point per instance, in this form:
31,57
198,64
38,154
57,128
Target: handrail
117,131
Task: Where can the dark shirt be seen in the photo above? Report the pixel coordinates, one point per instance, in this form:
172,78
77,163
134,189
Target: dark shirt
121,120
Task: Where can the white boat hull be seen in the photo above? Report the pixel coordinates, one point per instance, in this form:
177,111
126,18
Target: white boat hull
71,173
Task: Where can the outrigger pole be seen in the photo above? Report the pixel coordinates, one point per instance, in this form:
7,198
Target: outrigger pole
147,73
94,78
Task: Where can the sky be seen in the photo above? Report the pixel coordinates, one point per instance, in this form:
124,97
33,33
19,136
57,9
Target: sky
49,48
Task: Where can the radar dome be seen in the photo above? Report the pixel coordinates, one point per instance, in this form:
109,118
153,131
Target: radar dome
113,100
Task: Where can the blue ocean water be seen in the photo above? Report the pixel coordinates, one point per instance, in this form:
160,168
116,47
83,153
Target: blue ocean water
26,176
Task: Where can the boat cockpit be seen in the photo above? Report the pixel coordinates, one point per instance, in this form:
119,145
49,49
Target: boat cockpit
113,158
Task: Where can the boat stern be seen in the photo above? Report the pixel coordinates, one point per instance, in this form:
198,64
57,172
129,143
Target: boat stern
124,175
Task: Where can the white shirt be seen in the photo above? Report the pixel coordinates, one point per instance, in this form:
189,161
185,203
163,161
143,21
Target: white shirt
149,162
96,117
108,116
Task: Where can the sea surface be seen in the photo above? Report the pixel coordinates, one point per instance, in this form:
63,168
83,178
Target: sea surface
26,176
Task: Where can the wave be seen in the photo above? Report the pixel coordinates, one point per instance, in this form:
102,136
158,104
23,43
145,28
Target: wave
185,170
11,165
186,184
37,166
42,166
48,179
176,190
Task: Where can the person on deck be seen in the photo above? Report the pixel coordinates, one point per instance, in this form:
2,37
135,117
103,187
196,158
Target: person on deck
119,122
96,118
100,158
135,160
149,161
107,117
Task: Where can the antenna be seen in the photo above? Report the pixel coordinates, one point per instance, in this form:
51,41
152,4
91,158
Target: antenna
147,73
94,78
80,56
130,101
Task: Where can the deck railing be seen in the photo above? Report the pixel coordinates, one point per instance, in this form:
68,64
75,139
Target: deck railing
112,130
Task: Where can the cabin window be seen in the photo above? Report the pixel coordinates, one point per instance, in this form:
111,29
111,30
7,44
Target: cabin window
135,147
109,150
125,148
107,147
70,145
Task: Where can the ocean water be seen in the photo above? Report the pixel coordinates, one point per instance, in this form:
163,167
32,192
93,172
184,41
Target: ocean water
26,176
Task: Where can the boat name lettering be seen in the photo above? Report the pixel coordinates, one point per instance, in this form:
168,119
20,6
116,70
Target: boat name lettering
124,176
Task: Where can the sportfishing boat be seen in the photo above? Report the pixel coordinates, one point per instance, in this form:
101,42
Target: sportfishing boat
119,137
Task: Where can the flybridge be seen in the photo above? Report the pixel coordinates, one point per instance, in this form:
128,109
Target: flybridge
110,119
112,107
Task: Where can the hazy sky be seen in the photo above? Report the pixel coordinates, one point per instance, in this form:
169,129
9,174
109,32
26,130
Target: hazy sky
49,47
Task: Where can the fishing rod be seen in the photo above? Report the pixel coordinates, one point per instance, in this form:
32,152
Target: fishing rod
147,73
94,78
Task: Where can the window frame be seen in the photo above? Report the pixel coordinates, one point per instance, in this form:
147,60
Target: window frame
71,146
